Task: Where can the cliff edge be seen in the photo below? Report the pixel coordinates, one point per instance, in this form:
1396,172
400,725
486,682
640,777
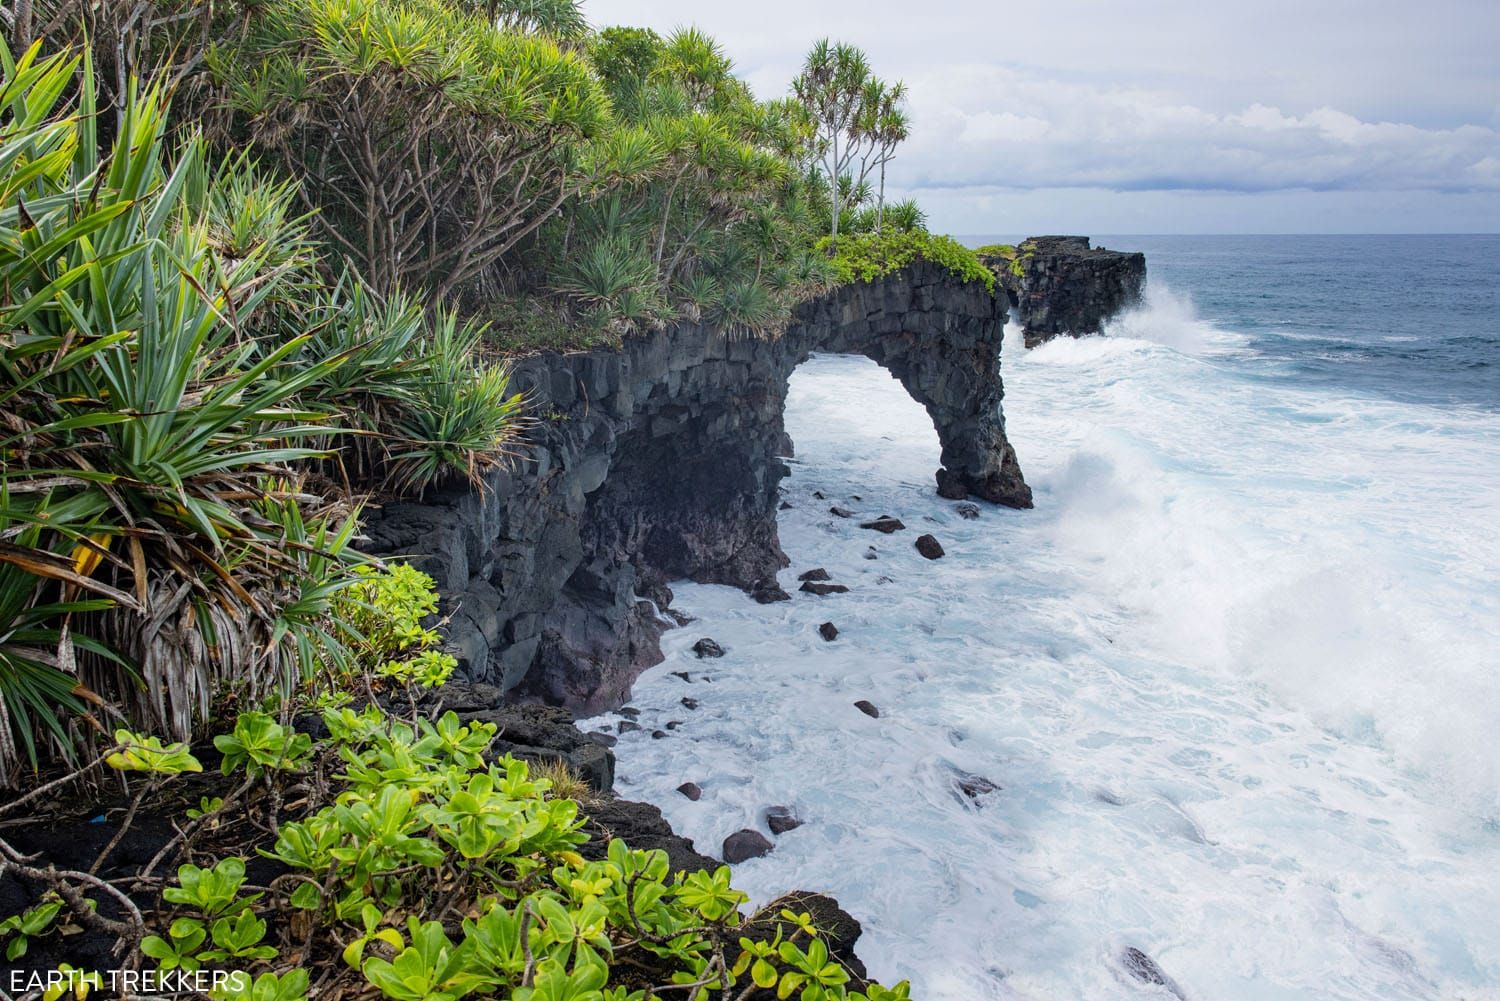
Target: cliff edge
1063,285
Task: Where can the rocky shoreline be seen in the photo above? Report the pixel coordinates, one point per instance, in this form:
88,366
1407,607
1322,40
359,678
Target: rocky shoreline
662,460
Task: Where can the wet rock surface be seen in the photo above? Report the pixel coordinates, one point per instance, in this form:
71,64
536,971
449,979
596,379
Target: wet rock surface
884,524
930,547
1061,285
707,647
742,846
828,631
868,708
781,819
768,591
819,588
1144,969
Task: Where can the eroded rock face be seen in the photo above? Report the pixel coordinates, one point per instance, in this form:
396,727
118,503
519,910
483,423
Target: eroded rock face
661,460
1061,285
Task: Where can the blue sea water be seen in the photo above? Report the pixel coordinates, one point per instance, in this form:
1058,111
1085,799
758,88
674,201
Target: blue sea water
1412,317
1236,677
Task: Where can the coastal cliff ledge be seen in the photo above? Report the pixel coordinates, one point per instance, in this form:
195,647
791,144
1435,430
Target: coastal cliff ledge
660,460
1061,285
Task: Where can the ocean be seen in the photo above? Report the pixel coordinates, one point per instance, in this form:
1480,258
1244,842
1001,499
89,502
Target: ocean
1236,679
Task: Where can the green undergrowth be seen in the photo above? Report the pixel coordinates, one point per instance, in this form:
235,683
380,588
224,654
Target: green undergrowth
1017,256
358,850
868,256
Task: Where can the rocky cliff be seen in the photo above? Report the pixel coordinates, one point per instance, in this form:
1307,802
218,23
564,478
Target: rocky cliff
1062,285
660,460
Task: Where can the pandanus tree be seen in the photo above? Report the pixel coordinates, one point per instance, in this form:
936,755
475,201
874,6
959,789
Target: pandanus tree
857,121
171,372
430,140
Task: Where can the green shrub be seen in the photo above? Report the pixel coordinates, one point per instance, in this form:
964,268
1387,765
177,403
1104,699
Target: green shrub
421,822
171,369
867,256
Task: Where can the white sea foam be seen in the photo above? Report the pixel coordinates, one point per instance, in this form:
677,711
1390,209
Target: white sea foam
1236,676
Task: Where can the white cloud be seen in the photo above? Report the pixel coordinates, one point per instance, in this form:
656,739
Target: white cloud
1005,126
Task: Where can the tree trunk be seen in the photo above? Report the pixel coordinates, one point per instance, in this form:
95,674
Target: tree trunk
833,191
880,202
22,25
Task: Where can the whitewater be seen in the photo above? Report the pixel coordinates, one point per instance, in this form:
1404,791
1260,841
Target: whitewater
1236,677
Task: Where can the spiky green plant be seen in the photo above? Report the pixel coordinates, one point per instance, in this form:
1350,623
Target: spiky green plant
169,365
463,414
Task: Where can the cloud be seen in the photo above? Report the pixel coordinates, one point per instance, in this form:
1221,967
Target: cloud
999,126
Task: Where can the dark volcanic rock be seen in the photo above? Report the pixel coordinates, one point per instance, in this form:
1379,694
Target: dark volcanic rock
658,734
691,791
781,819
1060,285
975,786
1143,968
784,506
929,547
814,587
707,648
640,825
768,591
868,708
885,523
742,846
871,553
534,733
828,631
688,703
967,510
836,929
664,463
626,726
817,573
840,512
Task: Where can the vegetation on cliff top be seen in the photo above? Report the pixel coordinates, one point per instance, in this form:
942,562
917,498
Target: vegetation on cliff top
260,259
868,256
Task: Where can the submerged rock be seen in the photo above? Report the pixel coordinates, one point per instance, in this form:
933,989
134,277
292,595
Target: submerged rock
871,553
766,591
627,726
929,547
967,510
885,523
868,708
781,819
975,786
828,631
707,648
840,512
814,587
1145,969
741,846
688,703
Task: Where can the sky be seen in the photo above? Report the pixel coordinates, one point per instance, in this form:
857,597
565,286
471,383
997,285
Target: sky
1159,116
